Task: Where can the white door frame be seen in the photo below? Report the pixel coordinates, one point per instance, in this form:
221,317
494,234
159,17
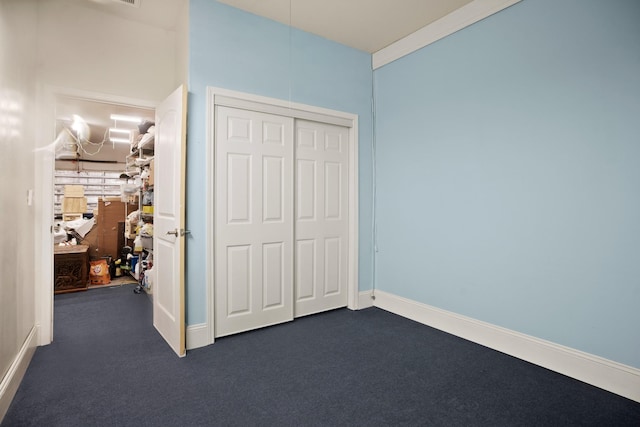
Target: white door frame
45,165
228,98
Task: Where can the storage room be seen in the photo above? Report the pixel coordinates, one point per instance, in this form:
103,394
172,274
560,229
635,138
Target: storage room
103,195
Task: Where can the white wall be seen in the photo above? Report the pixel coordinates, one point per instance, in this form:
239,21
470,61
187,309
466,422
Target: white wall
83,48
182,46
17,94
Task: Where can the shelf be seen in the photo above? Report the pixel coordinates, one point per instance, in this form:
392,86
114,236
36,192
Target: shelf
70,177
140,158
147,144
96,184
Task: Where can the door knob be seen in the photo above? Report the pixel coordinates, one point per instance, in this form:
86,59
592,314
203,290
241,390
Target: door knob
174,232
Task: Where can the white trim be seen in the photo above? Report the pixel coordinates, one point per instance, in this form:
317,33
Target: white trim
209,215
597,371
352,274
100,96
447,25
197,336
11,381
365,299
229,98
45,162
263,104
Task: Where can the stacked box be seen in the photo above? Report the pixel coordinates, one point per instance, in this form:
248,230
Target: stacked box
74,204
73,191
71,216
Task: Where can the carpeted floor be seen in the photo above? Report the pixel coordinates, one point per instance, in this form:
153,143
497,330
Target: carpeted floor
108,367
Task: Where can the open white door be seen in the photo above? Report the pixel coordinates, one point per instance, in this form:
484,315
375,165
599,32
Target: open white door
169,214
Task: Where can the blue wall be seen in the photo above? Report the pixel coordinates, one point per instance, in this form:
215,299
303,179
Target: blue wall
235,50
508,174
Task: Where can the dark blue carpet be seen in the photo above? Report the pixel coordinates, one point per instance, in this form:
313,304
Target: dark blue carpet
108,367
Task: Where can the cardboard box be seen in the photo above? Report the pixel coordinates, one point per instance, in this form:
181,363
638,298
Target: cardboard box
106,238
73,191
74,204
91,240
99,273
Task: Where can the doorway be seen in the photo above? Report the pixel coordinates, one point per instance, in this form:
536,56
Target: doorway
57,108
97,187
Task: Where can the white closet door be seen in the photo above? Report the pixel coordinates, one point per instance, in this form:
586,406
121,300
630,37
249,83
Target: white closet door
254,220
322,228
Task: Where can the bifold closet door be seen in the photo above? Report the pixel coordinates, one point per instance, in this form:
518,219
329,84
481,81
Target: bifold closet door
254,220
322,225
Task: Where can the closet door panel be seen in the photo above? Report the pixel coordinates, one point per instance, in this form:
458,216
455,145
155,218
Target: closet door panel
321,217
239,188
333,191
332,265
273,276
306,194
254,220
273,188
238,279
305,269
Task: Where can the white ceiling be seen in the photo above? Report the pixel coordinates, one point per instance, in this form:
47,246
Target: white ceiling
157,13
97,115
368,25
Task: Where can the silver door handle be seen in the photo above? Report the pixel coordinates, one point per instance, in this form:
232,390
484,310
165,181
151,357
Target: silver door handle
174,232
184,232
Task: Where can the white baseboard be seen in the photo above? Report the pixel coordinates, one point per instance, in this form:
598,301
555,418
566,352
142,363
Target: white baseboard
365,299
11,381
597,371
197,336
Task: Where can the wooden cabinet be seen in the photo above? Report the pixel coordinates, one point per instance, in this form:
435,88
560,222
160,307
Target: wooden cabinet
71,268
